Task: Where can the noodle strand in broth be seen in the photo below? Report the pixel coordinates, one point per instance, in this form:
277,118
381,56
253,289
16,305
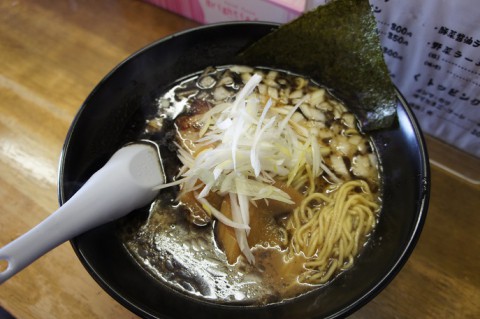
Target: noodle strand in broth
327,228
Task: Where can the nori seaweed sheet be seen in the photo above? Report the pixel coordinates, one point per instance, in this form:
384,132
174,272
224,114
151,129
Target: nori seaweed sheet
338,46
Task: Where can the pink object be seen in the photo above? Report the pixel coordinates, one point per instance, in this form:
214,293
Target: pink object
190,9
213,11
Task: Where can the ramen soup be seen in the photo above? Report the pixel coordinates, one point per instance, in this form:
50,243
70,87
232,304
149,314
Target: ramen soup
272,188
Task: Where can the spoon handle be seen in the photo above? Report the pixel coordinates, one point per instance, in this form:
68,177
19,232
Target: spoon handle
124,184
50,233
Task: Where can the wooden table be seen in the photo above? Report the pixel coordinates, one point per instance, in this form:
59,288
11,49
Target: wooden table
52,54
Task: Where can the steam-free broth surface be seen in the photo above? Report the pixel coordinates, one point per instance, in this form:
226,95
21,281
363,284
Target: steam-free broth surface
216,239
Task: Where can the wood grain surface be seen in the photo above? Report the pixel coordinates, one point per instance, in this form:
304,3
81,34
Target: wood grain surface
52,54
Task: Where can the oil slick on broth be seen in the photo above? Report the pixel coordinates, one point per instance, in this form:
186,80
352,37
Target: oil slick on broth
185,255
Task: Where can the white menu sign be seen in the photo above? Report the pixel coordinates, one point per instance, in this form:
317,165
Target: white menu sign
432,49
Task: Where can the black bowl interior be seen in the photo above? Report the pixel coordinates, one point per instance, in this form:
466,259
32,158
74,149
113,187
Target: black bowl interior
111,116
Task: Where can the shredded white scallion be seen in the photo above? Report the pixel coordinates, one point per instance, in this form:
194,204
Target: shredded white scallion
247,146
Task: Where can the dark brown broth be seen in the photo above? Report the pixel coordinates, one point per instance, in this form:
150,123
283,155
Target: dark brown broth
186,256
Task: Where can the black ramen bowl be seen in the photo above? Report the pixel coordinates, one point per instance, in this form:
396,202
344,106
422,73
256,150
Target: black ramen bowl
113,114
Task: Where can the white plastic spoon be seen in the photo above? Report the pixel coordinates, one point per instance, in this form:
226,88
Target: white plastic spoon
124,184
